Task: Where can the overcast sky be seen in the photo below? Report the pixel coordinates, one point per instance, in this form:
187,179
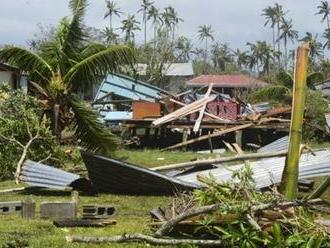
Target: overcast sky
234,21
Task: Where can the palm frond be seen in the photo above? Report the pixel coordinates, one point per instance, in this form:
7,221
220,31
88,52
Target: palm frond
92,69
72,32
92,49
276,93
285,79
27,61
314,78
92,134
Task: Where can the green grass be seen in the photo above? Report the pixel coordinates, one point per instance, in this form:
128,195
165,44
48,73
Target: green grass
133,211
133,216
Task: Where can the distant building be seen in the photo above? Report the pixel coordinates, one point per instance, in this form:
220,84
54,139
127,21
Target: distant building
227,83
176,74
13,76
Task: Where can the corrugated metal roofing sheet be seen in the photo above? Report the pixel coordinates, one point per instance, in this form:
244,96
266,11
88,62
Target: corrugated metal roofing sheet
40,175
281,144
269,171
228,80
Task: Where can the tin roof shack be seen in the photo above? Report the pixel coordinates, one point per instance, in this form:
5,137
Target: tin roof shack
175,74
228,83
13,76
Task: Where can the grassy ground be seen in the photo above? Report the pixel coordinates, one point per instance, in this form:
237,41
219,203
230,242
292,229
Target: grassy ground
133,211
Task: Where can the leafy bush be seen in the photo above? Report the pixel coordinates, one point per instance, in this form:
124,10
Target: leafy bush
20,118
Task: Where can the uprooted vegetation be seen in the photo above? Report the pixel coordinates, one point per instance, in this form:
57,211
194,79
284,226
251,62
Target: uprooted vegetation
233,214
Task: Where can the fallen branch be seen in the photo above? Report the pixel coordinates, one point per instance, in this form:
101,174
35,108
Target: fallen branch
144,238
221,160
169,225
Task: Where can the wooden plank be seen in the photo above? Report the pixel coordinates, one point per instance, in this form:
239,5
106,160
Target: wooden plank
204,137
206,113
201,112
220,160
188,109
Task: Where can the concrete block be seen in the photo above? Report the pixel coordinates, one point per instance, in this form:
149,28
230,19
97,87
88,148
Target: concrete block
10,207
28,209
58,210
98,211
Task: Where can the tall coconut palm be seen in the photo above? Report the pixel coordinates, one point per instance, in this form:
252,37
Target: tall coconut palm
324,10
221,55
242,58
278,16
184,48
145,6
315,47
112,10
269,14
129,26
175,20
205,33
66,65
110,36
154,16
326,36
288,33
262,55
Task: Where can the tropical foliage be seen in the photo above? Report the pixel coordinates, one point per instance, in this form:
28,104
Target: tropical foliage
21,115
66,65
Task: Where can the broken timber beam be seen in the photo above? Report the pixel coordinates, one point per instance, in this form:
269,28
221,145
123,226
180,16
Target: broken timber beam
221,160
202,111
205,137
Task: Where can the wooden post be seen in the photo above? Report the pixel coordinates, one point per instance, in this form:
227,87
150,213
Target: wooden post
290,174
210,142
238,137
28,209
184,138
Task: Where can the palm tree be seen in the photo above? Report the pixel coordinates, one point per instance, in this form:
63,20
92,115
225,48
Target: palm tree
110,36
324,10
112,10
221,55
175,19
282,90
204,33
66,65
154,15
288,33
242,58
278,16
326,36
129,26
315,47
184,47
261,55
269,14
145,6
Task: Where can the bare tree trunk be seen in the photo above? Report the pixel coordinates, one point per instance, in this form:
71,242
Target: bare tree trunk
144,238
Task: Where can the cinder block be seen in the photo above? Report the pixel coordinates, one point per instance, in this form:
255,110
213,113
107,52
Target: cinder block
98,211
10,207
58,210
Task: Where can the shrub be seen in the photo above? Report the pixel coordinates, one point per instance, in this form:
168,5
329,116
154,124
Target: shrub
20,118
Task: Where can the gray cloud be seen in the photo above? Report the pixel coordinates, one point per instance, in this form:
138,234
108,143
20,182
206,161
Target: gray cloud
235,22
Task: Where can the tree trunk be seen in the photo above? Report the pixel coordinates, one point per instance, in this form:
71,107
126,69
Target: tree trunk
145,30
290,174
